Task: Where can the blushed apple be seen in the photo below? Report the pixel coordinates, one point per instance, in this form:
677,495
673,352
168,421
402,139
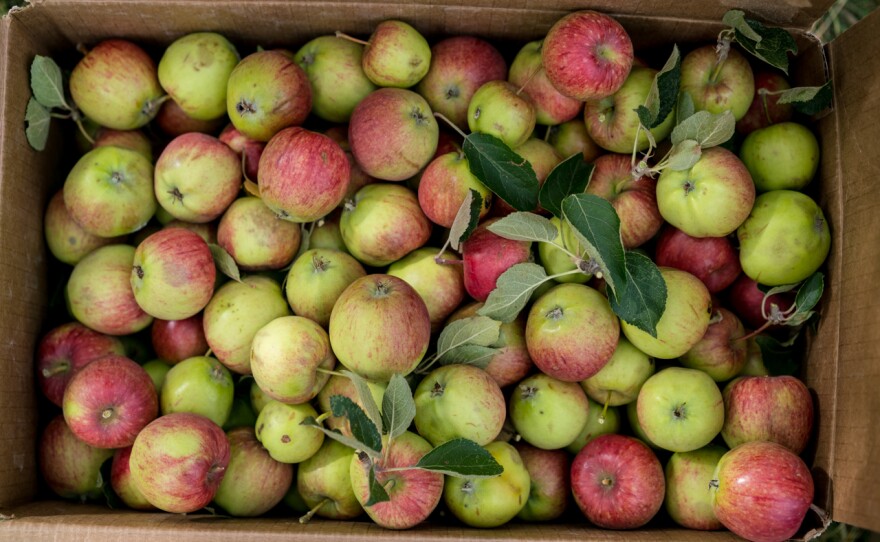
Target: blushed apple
66,239
280,430
396,55
746,300
174,122
255,237
548,413
527,72
70,467
619,381
200,385
550,473
688,496
324,482
177,340
497,109
444,184
765,108
441,286
358,179
487,256
571,137
721,353
718,85
593,428
123,484
713,260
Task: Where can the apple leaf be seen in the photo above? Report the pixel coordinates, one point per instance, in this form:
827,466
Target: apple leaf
642,299
571,176
369,404
685,108
810,292
778,358
469,354
38,120
398,407
362,428
521,226
512,291
683,155
461,458
736,19
46,83
705,128
663,93
769,44
351,442
224,262
478,330
808,100
377,492
507,174
466,219
597,227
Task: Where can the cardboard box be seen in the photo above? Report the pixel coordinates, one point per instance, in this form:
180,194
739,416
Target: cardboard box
842,366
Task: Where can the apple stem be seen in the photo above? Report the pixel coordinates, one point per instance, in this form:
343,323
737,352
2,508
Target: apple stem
722,49
56,369
322,417
345,36
83,50
763,94
329,372
529,78
82,129
517,437
547,134
748,336
443,117
308,515
601,418
445,261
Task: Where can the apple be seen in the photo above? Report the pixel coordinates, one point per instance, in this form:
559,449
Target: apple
600,421
359,179
783,156
174,122
549,472
242,413
123,484
206,230
617,482
746,300
459,66
267,92
713,260
527,73
258,398
762,491
721,353
680,409
254,482
367,318
632,417
133,140
249,150
754,360
342,385
765,109
490,502
487,256
571,137
784,240
571,332
717,85
109,192
444,184
255,237
157,369
441,286
116,85
234,315
178,461
593,75
556,260
688,497
70,467
771,408
280,430
327,234
177,340
324,482
99,292
684,320
497,108
414,493
619,381
316,280
200,385
548,413
542,157
396,55
66,239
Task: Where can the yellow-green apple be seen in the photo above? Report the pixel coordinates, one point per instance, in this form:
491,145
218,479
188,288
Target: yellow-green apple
70,467
684,320
109,191
772,408
498,109
765,108
383,223
619,381
527,73
593,428
721,353
783,156
487,256
324,482
342,385
711,199
762,491
444,184
556,260
123,484
197,177
688,496
304,175
178,461
459,401
490,502
746,300
396,55
174,122
241,415
680,409
294,501
173,274
571,332
718,84
116,85
267,92
66,239
441,286
713,260
66,349
194,71
255,237
459,66
177,340
99,292
550,473
248,150
258,398
234,315
785,238
754,360
548,413
333,66
413,493
254,482
206,230
280,430
358,179
571,137
393,134
157,369
133,140
109,401
316,280
617,482
327,233
587,55
632,417
542,157
201,385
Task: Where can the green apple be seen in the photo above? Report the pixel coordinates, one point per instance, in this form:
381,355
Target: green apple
571,137
784,240
781,156
632,416
593,428
316,280
280,430
342,385
555,260
157,369
200,385
258,398
441,286
497,109
333,66
548,413
680,409
324,482
620,380
688,497
327,234
396,55
241,415
754,365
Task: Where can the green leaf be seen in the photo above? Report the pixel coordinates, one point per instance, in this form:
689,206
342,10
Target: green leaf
808,100
772,48
663,93
512,291
224,262
596,225
810,292
398,407
683,155
362,428
366,398
507,174
466,219
571,176
478,330
685,107
461,458
705,128
736,19
469,354
642,299
38,120
46,83
778,358
521,226
351,442
377,492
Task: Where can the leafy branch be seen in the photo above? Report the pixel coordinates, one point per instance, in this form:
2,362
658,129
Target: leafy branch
49,101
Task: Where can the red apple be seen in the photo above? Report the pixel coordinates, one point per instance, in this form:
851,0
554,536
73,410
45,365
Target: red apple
721,353
550,472
486,256
746,299
765,108
70,467
177,340
173,121
122,483
242,144
359,179
713,260
255,237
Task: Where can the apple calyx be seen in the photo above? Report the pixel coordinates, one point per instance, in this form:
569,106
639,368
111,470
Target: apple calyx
350,205
139,271
528,392
607,482
713,484
117,177
245,107
680,411
467,487
319,264
107,413
437,390
215,473
418,115
176,194
555,313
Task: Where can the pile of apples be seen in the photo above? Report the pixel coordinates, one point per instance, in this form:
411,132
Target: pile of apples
328,285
